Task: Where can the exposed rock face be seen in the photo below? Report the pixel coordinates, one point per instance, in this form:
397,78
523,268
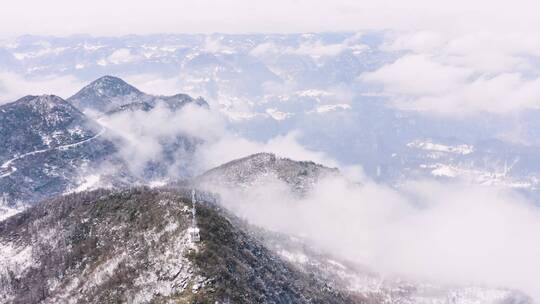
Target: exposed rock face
248,171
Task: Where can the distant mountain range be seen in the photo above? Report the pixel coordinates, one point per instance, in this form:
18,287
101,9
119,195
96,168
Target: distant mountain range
271,84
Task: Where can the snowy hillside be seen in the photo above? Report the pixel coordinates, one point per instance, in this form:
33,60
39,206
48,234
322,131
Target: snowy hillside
134,246
261,168
51,148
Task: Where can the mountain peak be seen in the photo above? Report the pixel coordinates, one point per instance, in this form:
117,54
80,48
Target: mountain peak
109,94
112,86
40,98
42,103
256,168
104,94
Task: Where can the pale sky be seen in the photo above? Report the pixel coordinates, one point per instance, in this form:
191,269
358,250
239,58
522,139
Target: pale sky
108,17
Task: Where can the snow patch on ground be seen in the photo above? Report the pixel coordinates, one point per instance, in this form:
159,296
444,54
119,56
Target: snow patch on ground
481,177
89,182
7,209
429,146
15,260
294,257
331,108
169,272
166,272
104,271
157,183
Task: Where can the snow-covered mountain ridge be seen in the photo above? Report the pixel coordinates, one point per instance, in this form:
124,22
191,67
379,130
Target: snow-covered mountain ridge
133,246
109,94
51,147
257,169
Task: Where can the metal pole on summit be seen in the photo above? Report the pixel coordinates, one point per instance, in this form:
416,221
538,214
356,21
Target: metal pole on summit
193,210
194,230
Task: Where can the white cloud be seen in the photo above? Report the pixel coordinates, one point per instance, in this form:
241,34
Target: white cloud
214,45
229,147
318,49
454,234
489,52
264,49
278,115
502,94
418,75
14,86
156,84
141,136
120,56
473,73
418,41
315,49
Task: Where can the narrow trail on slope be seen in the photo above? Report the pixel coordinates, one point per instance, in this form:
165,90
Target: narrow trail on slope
6,169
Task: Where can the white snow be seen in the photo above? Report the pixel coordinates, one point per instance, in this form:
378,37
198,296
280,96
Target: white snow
278,115
444,170
429,146
468,295
331,107
92,47
165,266
294,257
15,259
7,168
104,271
89,182
39,53
239,115
157,183
313,93
7,209
102,62
481,177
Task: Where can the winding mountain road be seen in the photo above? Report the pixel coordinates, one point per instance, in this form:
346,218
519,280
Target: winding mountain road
7,168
